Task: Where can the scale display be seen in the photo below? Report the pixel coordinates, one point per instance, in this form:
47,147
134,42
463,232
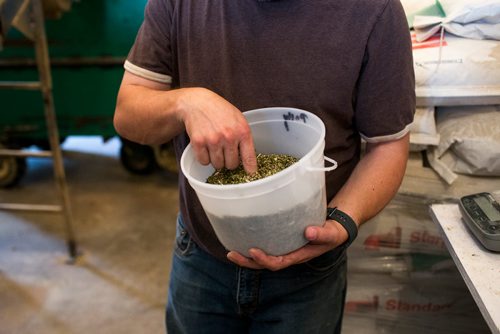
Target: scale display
481,214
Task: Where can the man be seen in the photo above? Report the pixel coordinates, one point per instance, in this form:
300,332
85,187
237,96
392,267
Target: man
196,65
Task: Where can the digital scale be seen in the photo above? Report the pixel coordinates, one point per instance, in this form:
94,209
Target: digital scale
481,214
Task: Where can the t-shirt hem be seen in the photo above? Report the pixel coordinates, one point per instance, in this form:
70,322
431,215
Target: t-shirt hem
386,138
147,74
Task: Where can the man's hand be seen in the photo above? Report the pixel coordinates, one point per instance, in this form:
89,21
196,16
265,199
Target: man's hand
151,113
321,240
219,133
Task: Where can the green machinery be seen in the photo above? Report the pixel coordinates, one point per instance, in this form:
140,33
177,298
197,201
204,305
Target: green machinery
87,48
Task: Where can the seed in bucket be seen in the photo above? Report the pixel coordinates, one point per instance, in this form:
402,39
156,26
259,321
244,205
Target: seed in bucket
267,165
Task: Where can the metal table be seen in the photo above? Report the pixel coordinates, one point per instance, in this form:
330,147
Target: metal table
479,267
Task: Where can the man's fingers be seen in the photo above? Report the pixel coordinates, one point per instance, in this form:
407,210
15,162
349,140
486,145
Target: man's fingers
260,260
275,263
216,157
231,156
272,263
247,153
243,261
322,235
202,155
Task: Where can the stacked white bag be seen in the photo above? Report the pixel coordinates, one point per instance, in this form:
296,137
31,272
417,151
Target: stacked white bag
456,51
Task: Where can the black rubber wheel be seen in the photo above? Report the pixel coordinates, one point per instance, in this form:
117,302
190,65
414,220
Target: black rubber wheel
165,157
137,159
12,169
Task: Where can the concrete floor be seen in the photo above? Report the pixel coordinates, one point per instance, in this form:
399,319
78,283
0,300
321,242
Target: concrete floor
124,225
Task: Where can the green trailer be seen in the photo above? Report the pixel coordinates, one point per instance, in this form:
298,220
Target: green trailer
87,48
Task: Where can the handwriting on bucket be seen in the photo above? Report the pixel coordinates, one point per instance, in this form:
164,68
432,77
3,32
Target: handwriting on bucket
293,117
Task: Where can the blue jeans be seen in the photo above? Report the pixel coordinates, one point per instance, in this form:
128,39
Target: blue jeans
209,296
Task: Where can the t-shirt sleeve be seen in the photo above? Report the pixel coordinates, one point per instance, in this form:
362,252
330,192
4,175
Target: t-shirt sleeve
385,99
150,56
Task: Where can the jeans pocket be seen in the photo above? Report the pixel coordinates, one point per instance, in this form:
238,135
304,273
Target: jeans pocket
183,241
327,261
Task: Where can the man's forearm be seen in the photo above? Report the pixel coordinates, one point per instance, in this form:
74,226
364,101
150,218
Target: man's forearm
375,180
146,115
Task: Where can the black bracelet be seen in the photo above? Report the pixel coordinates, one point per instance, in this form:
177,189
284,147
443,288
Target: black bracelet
347,222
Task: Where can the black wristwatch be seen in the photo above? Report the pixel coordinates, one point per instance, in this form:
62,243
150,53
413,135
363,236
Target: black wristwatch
347,222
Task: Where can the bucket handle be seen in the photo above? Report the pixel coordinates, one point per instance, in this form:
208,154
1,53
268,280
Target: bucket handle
324,169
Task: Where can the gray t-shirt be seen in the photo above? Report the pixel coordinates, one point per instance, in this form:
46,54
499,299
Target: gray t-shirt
347,61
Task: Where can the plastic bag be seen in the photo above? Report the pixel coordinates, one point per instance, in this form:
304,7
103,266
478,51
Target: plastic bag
470,142
423,129
413,8
457,66
475,19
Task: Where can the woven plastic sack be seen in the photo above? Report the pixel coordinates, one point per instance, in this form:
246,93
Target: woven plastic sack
476,19
455,67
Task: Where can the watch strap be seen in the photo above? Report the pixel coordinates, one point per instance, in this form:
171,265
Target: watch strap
346,221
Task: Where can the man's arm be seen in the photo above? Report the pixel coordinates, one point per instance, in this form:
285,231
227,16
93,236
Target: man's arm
146,111
371,186
375,180
150,113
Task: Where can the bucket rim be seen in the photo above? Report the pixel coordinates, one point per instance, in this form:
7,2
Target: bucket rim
301,163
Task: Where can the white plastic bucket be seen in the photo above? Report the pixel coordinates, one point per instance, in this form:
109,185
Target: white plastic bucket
271,213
